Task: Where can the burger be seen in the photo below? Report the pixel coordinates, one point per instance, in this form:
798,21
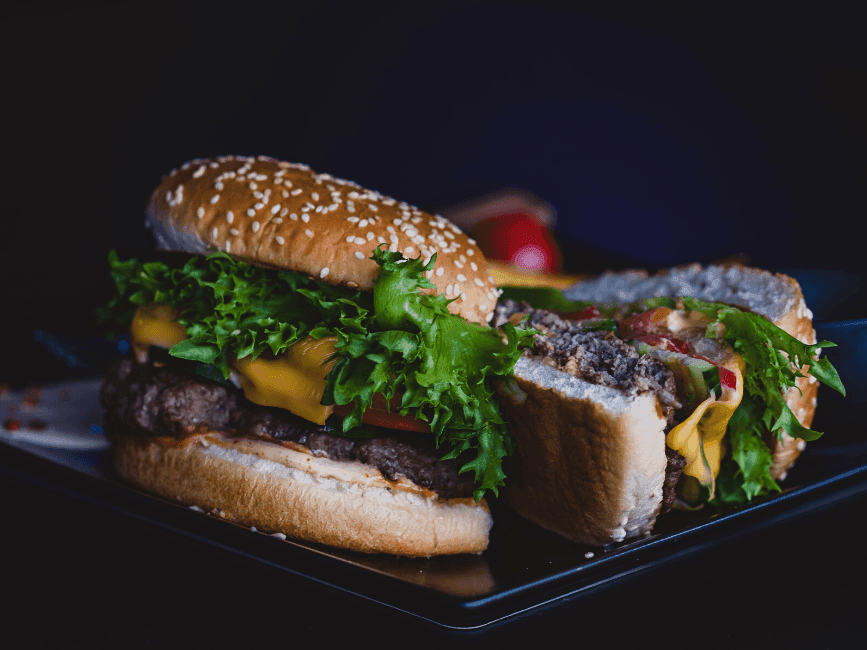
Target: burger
312,359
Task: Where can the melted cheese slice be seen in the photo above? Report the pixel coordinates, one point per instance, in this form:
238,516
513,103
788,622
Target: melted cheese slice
155,325
700,437
294,380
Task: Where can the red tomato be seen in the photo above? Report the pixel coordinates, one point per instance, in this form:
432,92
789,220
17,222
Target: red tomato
727,378
584,314
666,343
386,419
646,322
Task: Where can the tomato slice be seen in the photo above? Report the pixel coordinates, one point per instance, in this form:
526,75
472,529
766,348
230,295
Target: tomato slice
666,343
584,314
386,419
645,323
727,378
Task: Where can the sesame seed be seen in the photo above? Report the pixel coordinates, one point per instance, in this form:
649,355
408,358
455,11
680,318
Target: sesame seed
305,217
199,172
359,255
350,239
251,212
463,297
259,206
362,223
255,226
393,238
200,212
323,272
230,216
458,264
218,185
280,240
397,222
473,266
463,259
293,216
352,219
457,288
483,306
393,248
215,198
449,290
295,192
233,231
285,194
308,232
370,236
253,185
409,249
381,240
440,271
214,233
390,229
275,209
372,207
462,277
478,282
470,251
489,317
358,240
228,246
314,196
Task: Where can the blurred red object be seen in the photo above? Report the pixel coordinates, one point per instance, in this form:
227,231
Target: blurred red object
512,226
519,239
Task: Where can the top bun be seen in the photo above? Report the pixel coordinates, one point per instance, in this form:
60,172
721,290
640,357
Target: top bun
286,216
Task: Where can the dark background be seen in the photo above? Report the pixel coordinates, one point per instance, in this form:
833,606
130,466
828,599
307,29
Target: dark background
662,133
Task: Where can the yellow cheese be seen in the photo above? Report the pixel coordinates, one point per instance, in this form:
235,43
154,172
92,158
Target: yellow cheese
699,438
294,380
155,325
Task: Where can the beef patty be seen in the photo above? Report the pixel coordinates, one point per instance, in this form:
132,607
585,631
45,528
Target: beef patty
148,400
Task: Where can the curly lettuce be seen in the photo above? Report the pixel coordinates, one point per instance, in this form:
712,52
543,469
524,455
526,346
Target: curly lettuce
773,361
395,342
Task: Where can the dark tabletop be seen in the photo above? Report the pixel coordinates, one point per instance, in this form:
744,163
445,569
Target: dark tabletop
700,132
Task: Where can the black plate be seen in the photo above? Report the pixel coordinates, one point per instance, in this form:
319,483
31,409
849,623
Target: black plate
525,567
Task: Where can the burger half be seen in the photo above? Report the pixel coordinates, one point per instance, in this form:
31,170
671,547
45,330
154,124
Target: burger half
312,359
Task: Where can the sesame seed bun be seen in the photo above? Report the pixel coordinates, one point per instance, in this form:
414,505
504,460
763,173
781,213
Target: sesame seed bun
284,215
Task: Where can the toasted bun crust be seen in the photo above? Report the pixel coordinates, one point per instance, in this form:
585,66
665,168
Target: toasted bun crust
592,460
775,296
284,215
279,490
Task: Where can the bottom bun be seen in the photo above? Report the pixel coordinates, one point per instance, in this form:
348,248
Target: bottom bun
280,490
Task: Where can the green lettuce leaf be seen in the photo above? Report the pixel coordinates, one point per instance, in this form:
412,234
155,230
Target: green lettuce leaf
395,341
773,359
